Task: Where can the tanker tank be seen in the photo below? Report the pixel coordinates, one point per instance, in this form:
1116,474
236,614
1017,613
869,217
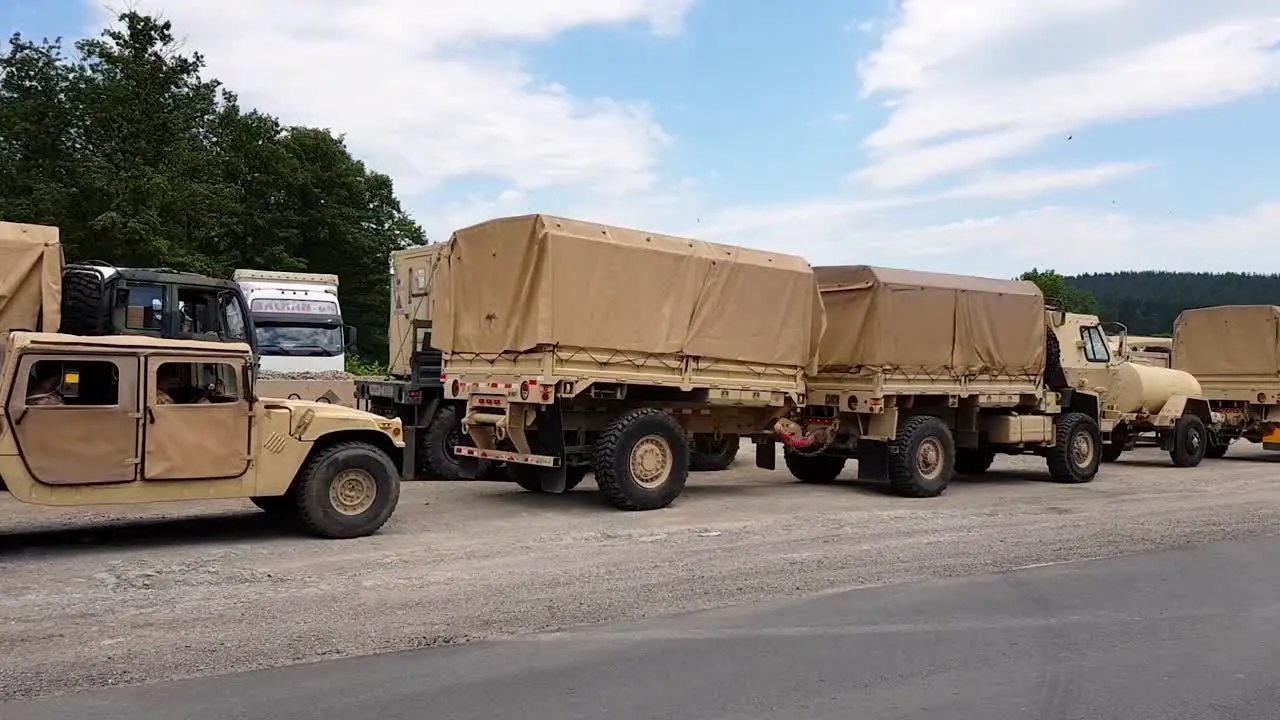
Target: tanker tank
1146,388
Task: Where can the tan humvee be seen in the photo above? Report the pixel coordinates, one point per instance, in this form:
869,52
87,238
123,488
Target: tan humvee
924,375
129,419
1234,353
578,347
1136,398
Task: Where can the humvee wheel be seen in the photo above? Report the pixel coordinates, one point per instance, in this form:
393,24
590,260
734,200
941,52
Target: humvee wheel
922,457
1217,446
530,478
814,468
347,490
973,461
642,460
1075,456
710,455
1190,441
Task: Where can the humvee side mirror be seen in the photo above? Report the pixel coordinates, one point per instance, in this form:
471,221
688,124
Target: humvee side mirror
349,334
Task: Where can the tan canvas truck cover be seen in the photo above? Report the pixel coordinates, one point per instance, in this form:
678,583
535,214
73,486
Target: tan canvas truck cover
1230,340
411,271
30,278
931,324
514,284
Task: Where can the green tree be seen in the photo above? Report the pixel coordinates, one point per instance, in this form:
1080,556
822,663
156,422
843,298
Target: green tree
142,161
1060,294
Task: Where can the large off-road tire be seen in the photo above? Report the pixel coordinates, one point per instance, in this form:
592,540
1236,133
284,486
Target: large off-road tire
529,478
1217,447
974,461
347,490
642,460
922,458
814,468
1112,451
1190,441
82,304
444,433
1077,451
709,455
1055,378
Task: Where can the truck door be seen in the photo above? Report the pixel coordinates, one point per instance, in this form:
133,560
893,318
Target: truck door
198,424
75,417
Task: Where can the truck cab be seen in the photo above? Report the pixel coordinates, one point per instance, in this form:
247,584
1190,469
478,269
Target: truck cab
297,321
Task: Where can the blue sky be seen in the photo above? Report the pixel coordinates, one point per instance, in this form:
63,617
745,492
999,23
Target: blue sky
921,133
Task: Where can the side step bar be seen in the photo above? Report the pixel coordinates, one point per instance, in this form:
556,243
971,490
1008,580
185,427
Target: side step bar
550,461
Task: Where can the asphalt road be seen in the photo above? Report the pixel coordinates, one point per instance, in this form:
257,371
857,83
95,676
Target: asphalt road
1181,634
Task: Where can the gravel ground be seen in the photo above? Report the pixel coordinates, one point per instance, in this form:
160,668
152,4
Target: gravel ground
133,595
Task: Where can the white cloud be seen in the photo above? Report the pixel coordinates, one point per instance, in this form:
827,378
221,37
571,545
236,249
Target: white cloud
972,83
1033,183
429,92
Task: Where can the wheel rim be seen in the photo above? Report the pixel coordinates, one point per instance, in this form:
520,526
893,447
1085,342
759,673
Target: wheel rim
929,458
352,492
651,461
1193,440
1082,449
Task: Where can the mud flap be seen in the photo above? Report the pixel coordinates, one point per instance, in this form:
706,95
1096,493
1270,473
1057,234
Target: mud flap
873,461
550,441
767,455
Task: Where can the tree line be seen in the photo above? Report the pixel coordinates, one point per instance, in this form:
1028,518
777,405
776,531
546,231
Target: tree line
141,161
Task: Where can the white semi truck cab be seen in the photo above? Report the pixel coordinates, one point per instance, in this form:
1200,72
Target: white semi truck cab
297,321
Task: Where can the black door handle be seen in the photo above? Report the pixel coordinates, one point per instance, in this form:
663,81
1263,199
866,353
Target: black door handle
151,417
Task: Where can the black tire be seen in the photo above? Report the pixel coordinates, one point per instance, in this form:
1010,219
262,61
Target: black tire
1217,447
708,455
83,311
1055,378
974,461
1112,451
445,431
276,505
911,470
1081,466
315,507
529,477
613,459
1190,441
814,468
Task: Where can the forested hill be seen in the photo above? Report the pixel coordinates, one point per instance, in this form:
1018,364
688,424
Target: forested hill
1148,301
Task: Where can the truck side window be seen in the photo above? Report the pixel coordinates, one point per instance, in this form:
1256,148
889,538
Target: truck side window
194,306
233,316
145,308
1095,345
79,383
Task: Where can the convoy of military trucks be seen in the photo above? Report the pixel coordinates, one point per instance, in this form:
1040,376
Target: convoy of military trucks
538,349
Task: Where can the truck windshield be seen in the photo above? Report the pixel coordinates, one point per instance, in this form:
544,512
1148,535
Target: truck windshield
314,340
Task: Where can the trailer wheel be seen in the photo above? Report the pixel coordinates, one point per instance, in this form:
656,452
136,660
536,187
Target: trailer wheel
1075,456
711,455
922,457
347,490
814,468
530,478
442,435
642,460
1190,441
1217,446
82,303
974,461
1112,451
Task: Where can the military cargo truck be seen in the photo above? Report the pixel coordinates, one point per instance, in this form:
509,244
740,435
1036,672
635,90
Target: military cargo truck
1138,400
923,375
103,419
578,347
1234,353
